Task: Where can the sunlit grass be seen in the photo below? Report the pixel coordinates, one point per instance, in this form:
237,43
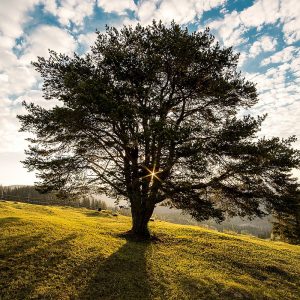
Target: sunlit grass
67,253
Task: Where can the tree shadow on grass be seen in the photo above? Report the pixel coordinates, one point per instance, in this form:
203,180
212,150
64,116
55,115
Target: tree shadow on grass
27,264
123,275
32,267
4,221
102,214
210,289
12,247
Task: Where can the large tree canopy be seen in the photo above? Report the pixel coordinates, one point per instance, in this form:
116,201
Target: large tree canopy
151,114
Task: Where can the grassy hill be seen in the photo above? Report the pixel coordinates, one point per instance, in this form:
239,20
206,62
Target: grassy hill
66,253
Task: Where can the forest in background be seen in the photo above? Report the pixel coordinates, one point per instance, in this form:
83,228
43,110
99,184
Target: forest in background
29,194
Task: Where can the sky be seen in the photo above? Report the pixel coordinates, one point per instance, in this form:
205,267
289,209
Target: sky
265,32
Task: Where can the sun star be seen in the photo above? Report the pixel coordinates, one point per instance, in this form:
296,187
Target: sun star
152,173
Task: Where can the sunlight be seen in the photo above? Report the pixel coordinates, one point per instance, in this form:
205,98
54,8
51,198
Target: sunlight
152,173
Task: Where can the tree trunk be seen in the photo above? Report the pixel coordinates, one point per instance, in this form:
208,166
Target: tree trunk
140,218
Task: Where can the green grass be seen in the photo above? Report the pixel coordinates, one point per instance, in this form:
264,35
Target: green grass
67,253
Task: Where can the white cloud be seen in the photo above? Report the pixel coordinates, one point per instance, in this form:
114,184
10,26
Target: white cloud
290,17
6,43
3,78
35,96
182,12
146,11
291,30
295,66
285,55
263,44
262,12
117,6
87,40
242,59
70,11
11,140
47,37
280,99
13,16
229,29
282,117
50,6
17,78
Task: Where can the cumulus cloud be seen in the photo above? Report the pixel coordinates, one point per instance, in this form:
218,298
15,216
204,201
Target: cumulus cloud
11,140
13,14
290,17
295,66
261,13
47,37
16,80
12,145
87,40
285,55
282,120
229,29
183,11
263,44
279,98
70,11
17,77
291,29
117,6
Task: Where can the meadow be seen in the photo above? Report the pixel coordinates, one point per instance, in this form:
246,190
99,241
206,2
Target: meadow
49,252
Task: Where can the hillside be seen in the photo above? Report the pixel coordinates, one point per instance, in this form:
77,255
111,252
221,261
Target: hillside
67,253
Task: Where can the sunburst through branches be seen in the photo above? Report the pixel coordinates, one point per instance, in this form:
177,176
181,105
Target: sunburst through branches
152,173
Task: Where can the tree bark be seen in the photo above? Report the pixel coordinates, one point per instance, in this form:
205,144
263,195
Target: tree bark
140,217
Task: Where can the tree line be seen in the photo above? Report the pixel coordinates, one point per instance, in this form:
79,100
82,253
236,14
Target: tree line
29,194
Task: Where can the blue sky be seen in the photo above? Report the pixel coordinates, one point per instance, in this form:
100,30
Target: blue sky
265,32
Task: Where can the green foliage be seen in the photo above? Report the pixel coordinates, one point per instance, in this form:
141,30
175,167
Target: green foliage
286,226
151,115
69,253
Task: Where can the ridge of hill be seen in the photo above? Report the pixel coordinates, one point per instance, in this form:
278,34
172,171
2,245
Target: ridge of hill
49,252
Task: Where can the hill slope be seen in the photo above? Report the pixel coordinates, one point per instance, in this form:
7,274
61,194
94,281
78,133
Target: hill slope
65,253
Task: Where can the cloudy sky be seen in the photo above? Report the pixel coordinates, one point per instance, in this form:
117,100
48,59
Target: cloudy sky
265,32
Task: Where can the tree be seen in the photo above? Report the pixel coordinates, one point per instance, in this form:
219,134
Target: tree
286,224
151,115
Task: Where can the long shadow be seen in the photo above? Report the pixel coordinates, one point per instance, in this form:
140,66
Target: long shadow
26,256
123,275
4,221
97,214
56,274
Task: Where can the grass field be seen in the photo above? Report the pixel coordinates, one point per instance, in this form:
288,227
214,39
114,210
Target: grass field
67,253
